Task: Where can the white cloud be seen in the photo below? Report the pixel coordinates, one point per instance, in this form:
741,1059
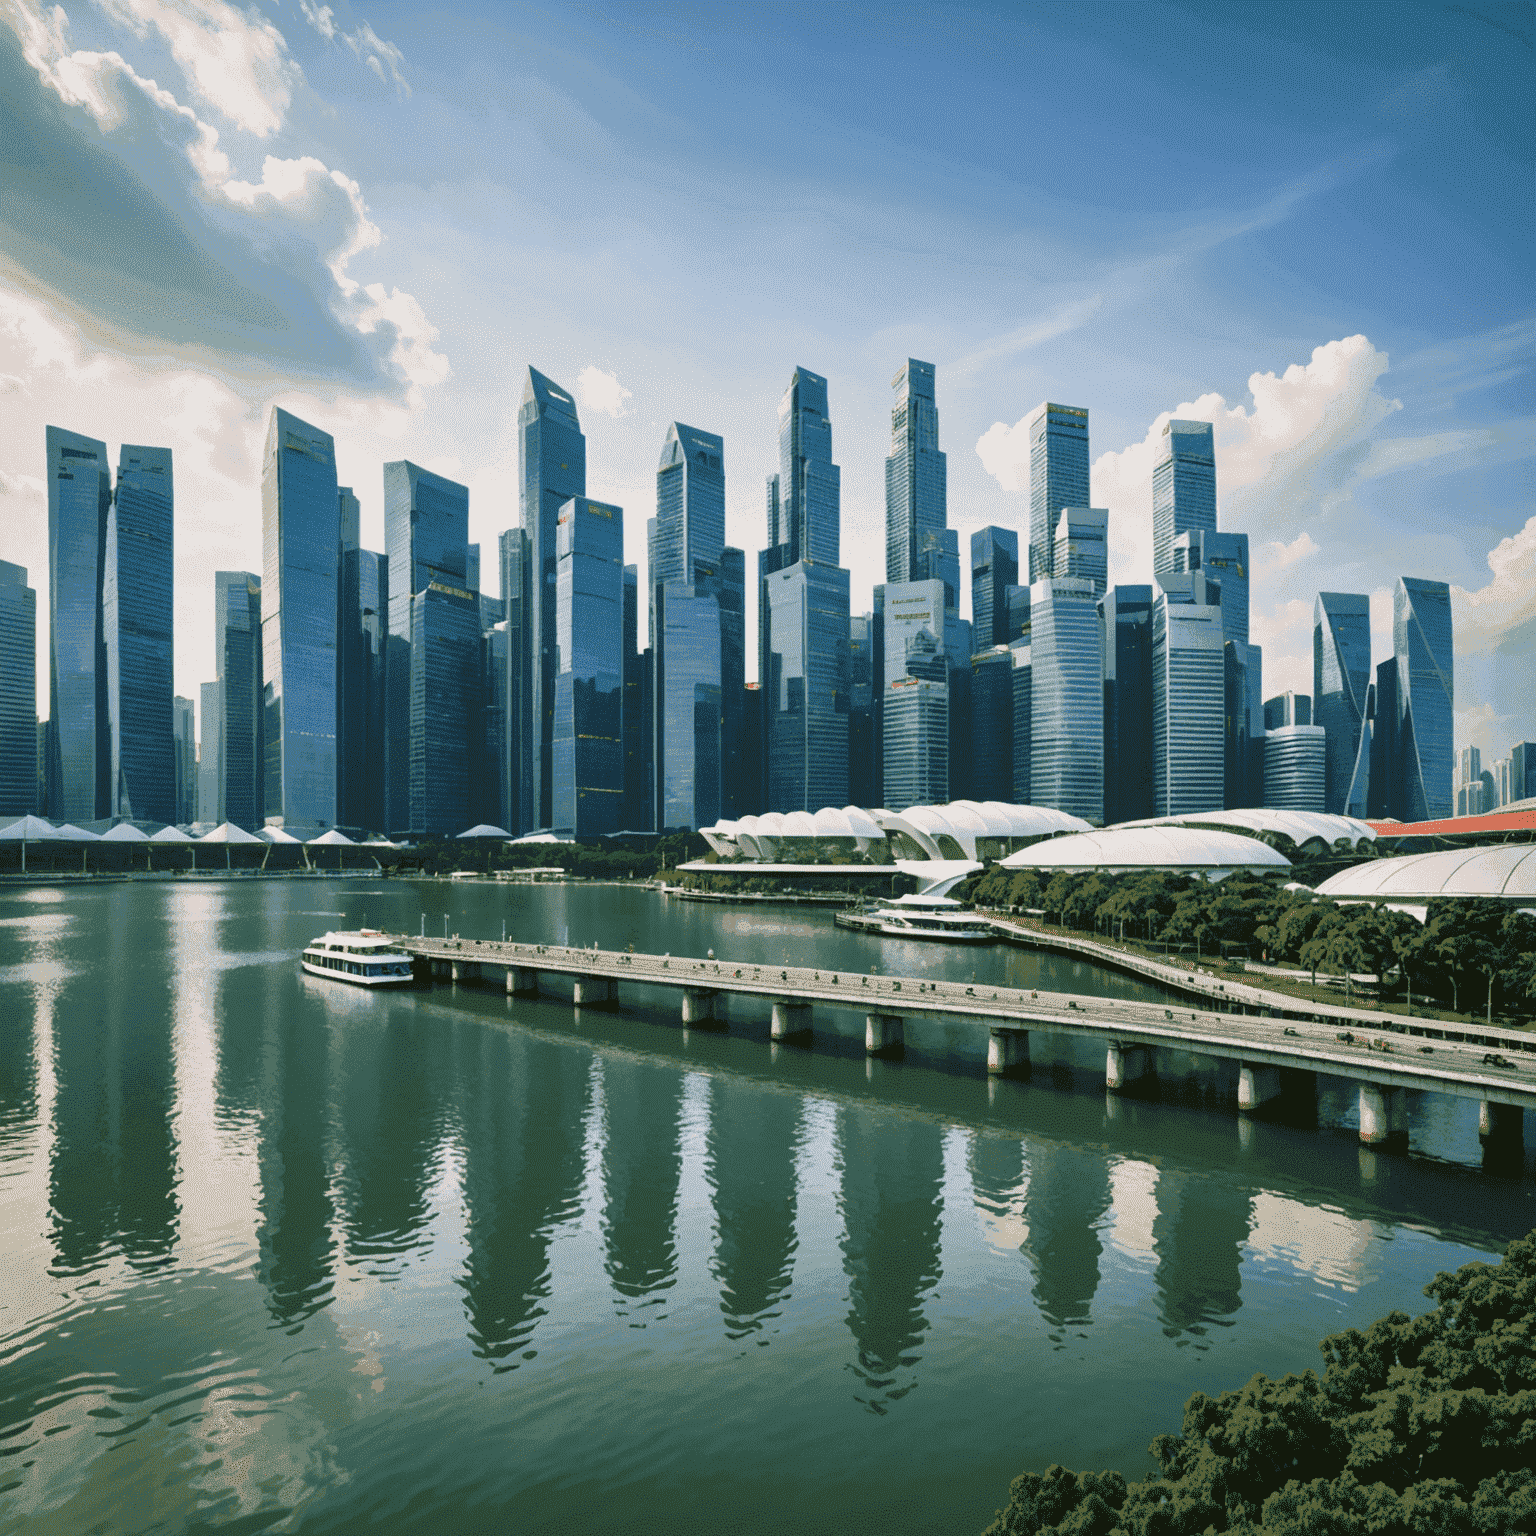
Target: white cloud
1004,454
1064,318
235,61
1276,556
601,391
11,384
1482,618
366,44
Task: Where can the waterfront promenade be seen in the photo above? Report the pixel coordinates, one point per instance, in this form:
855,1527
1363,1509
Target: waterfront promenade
1384,1054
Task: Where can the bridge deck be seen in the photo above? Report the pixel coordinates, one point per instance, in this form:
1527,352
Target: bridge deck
1394,1061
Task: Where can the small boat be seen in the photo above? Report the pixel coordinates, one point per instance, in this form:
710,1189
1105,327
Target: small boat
366,958
920,917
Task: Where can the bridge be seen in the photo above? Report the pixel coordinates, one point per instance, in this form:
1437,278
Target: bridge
1384,1061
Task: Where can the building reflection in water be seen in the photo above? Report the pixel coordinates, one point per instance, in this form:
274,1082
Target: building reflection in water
998,1186
296,1254
891,1175
750,1152
1200,1233
524,1105
112,1178
642,1163
1067,1197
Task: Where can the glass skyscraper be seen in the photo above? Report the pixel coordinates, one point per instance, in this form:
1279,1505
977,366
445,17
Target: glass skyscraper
915,473
916,742
184,738
552,470
137,605
434,640
1295,766
301,541
639,802
1188,706
360,683
237,723
809,491
1067,710
1224,558
1244,723
208,777
79,743
1125,622
1183,488
517,717
18,692
1424,648
1058,477
1384,786
1023,714
863,785
588,747
1341,680
1082,545
994,570
991,745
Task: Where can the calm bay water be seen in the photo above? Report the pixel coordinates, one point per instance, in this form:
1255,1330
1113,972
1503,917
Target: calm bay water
279,1255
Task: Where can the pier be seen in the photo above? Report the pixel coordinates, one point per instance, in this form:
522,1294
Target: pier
1496,1068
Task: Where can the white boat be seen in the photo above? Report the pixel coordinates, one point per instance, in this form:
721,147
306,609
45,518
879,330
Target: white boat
921,917
366,958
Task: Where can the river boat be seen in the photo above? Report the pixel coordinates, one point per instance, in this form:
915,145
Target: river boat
920,917
366,958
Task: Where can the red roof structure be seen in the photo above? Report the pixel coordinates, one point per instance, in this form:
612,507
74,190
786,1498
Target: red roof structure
1460,826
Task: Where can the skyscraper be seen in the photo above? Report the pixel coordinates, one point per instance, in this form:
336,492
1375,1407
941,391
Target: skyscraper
1082,545
1067,688
137,604
1385,780
1244,723
1224,558
863,786
639,801
810,484
18,692
1188,706
1058,477
301,540
552,467
184,737
517,719
1023,709
1341,679
1125,624
1287,709
236,724
991,746
79,767
1295,767
1183,488
994,571
588,745
1424,647
362,649
916,743
208,776
915,473
434,637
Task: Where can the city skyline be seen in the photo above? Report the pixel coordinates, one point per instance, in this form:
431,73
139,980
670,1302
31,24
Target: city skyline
1344,406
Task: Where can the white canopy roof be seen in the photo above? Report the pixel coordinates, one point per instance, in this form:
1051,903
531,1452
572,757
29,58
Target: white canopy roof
28,829
485,829
1505,872
170,835
1299,826
229,833
333,839
276,835
1127,848
75,834
125,832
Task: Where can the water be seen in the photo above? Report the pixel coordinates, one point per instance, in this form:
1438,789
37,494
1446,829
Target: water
281,1255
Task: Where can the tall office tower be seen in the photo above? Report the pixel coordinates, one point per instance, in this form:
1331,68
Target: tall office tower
434,640
1379,803
916,743
1183,488
736,768
79,741
488,768
1018,613
1188,706
752,749
349,519
1287,709
862,789
1424,646
235,727
42,767
1469,765
1244,724
472,569
184,739
938,559
1125,629
1067,708
913,614
1501,782
301,540
361,692
805,686
552,470
1023,708
209,779
638,801
1058,477
915,473
18,692
588,761
1082,545
876,694
774,514
1341,678
517,720
810,486
1224,558
1295,767
994,574
1522,771
991,744
136,607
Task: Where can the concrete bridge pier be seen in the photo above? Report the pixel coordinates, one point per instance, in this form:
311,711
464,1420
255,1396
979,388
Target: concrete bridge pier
1126,1066
521,980
1500,1125
1256,1086
1383,1115
1008,1052
699,1006
465,970
791,1020
597,992
883,1035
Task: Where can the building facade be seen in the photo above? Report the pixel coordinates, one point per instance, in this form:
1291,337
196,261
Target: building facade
1341,681
990,764
184,740
916,474
1424,649
1125,628
916,743
994,575
1295,767
209,779
1067,698
235,727
809,488
1183,488
1082,545
1058,477
1224,558
361,691
18,692
1188,707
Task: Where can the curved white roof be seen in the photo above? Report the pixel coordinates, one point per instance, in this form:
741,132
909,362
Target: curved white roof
336,839
124,832
28,829
483,829
1299,826
276,835
1505,872
71,833
798,824
229,833
171,835
1149,848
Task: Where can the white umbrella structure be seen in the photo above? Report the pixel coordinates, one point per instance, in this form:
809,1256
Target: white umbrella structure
125,832
228,832
29,829
71,833
170,835
332,839
277,835
485,829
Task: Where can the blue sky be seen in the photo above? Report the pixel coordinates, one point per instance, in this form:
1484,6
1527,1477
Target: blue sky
1312,225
